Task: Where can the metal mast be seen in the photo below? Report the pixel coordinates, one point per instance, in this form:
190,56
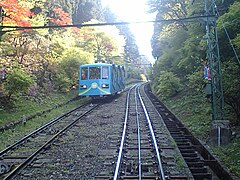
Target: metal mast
214,62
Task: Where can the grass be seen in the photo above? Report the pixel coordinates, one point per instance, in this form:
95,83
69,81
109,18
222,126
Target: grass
24,106
230,156
10,136
194,111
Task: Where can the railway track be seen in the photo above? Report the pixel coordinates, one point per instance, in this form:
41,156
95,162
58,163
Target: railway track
17,156
143,152
131,137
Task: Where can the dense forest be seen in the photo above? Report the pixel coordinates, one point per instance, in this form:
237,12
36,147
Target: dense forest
180,49
44,60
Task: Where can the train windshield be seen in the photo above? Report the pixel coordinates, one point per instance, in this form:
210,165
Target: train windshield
94,72
84,74
105,72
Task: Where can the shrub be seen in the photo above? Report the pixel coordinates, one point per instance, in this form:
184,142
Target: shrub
62,82
18,81
168,85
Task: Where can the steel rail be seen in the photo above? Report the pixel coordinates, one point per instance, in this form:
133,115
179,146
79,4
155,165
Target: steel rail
153,137
117,168
36,131
139,137
13,173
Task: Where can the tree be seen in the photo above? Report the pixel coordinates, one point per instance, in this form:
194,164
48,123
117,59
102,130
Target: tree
71,61
16,13
231,74
102,42
131,53
85,11
231,67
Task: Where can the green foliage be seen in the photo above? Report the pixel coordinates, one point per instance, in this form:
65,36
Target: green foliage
132,72
168,85
230,156
193,109
18,81
70,63
196,81
102,42
184,52
230,66
62,82
237,41
231,82
231,22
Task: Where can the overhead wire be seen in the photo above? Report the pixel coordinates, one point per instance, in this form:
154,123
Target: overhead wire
189,19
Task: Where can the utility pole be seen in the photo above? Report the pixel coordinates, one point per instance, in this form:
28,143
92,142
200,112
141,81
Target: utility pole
214,62
1,20
220,126
2,15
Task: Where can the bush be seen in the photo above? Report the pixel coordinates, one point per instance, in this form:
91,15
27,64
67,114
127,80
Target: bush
62,82
168,85
18,81
196,81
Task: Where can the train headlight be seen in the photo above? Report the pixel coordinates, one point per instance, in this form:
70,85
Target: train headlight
105,85
83,86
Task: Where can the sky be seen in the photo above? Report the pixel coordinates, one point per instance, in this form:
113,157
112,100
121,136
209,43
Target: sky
135,11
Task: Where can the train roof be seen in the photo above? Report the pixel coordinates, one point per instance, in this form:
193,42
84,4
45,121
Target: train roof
99,64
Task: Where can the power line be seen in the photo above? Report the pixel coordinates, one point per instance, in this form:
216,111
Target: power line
188,19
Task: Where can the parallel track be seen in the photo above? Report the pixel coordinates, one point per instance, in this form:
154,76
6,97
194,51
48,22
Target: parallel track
23,152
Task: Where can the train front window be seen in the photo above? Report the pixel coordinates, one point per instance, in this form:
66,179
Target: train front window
105,72
84,74
94,72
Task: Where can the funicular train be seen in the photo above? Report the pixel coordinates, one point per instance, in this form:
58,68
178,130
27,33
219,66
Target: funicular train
101,79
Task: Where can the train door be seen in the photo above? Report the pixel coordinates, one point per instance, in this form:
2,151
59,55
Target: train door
114,78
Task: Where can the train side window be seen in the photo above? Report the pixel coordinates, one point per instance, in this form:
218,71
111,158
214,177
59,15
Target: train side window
105,72
84,74
94,72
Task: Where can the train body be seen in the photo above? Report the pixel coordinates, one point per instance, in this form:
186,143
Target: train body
101,79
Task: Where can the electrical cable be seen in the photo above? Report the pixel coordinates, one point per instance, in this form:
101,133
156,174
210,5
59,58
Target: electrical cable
189,19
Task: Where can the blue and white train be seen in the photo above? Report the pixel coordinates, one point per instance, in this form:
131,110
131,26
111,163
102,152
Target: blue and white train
101,79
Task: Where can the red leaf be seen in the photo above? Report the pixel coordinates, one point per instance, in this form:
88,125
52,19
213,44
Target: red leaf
60,17
16,13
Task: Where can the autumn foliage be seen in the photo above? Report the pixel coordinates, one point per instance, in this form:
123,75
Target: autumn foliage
16,13
60,17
